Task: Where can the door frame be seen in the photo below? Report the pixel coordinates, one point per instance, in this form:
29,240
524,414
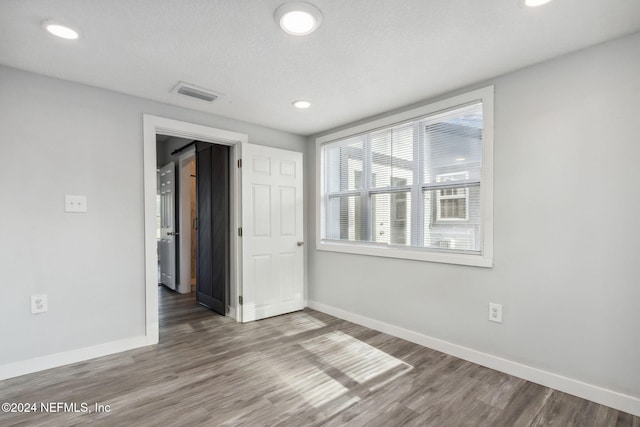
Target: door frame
153,125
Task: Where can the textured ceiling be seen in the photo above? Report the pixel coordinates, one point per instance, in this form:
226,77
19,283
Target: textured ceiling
368,56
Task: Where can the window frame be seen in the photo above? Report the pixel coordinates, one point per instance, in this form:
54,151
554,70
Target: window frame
485,257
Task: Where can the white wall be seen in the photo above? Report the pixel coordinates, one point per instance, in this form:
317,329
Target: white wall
567,232
57,138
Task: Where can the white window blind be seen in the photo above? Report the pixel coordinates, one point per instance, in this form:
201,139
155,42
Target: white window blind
416,184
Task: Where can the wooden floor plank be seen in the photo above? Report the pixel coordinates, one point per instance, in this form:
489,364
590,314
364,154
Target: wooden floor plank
301,369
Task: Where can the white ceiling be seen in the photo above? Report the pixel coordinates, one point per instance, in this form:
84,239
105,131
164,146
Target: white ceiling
367,57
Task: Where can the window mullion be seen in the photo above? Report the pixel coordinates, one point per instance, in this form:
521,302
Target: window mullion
451,184
417,204
343,180
327,220
342,194
365,200
390,190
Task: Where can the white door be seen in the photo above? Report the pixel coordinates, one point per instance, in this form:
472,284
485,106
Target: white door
166,245
272,251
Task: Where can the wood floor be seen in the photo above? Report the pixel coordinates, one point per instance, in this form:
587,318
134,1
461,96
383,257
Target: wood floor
301,369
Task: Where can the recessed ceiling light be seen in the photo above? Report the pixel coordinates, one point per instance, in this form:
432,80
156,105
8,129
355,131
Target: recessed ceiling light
60,30
533,3
460,159
298,19
301,104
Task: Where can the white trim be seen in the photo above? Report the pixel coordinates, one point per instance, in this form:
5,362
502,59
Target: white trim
153,125
486,258
404,253
49,361
601,395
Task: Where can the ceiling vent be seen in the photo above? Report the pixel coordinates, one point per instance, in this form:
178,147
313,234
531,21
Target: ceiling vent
194,91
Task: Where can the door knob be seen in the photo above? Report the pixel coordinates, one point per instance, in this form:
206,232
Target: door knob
300,243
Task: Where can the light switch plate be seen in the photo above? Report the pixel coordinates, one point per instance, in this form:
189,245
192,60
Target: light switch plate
75,203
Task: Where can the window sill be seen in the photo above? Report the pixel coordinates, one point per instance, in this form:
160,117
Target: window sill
408,253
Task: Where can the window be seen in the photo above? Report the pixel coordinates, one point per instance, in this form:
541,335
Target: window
416,185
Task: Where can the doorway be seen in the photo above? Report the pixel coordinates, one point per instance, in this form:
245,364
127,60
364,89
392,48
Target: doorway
193,219
232,142
175,162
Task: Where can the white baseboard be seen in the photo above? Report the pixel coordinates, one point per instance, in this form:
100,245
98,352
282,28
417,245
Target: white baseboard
36,364
613,399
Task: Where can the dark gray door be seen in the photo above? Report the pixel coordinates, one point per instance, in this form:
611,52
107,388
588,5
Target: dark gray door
212,177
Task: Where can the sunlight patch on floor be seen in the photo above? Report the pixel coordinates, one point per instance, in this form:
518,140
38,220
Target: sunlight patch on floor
302,322
356,359
313,385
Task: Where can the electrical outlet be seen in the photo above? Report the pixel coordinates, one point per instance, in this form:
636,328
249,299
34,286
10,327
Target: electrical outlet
39,303
75,203
495,312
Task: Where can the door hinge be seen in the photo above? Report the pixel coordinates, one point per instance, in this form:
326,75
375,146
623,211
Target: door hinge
240,300
239,163
240,231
